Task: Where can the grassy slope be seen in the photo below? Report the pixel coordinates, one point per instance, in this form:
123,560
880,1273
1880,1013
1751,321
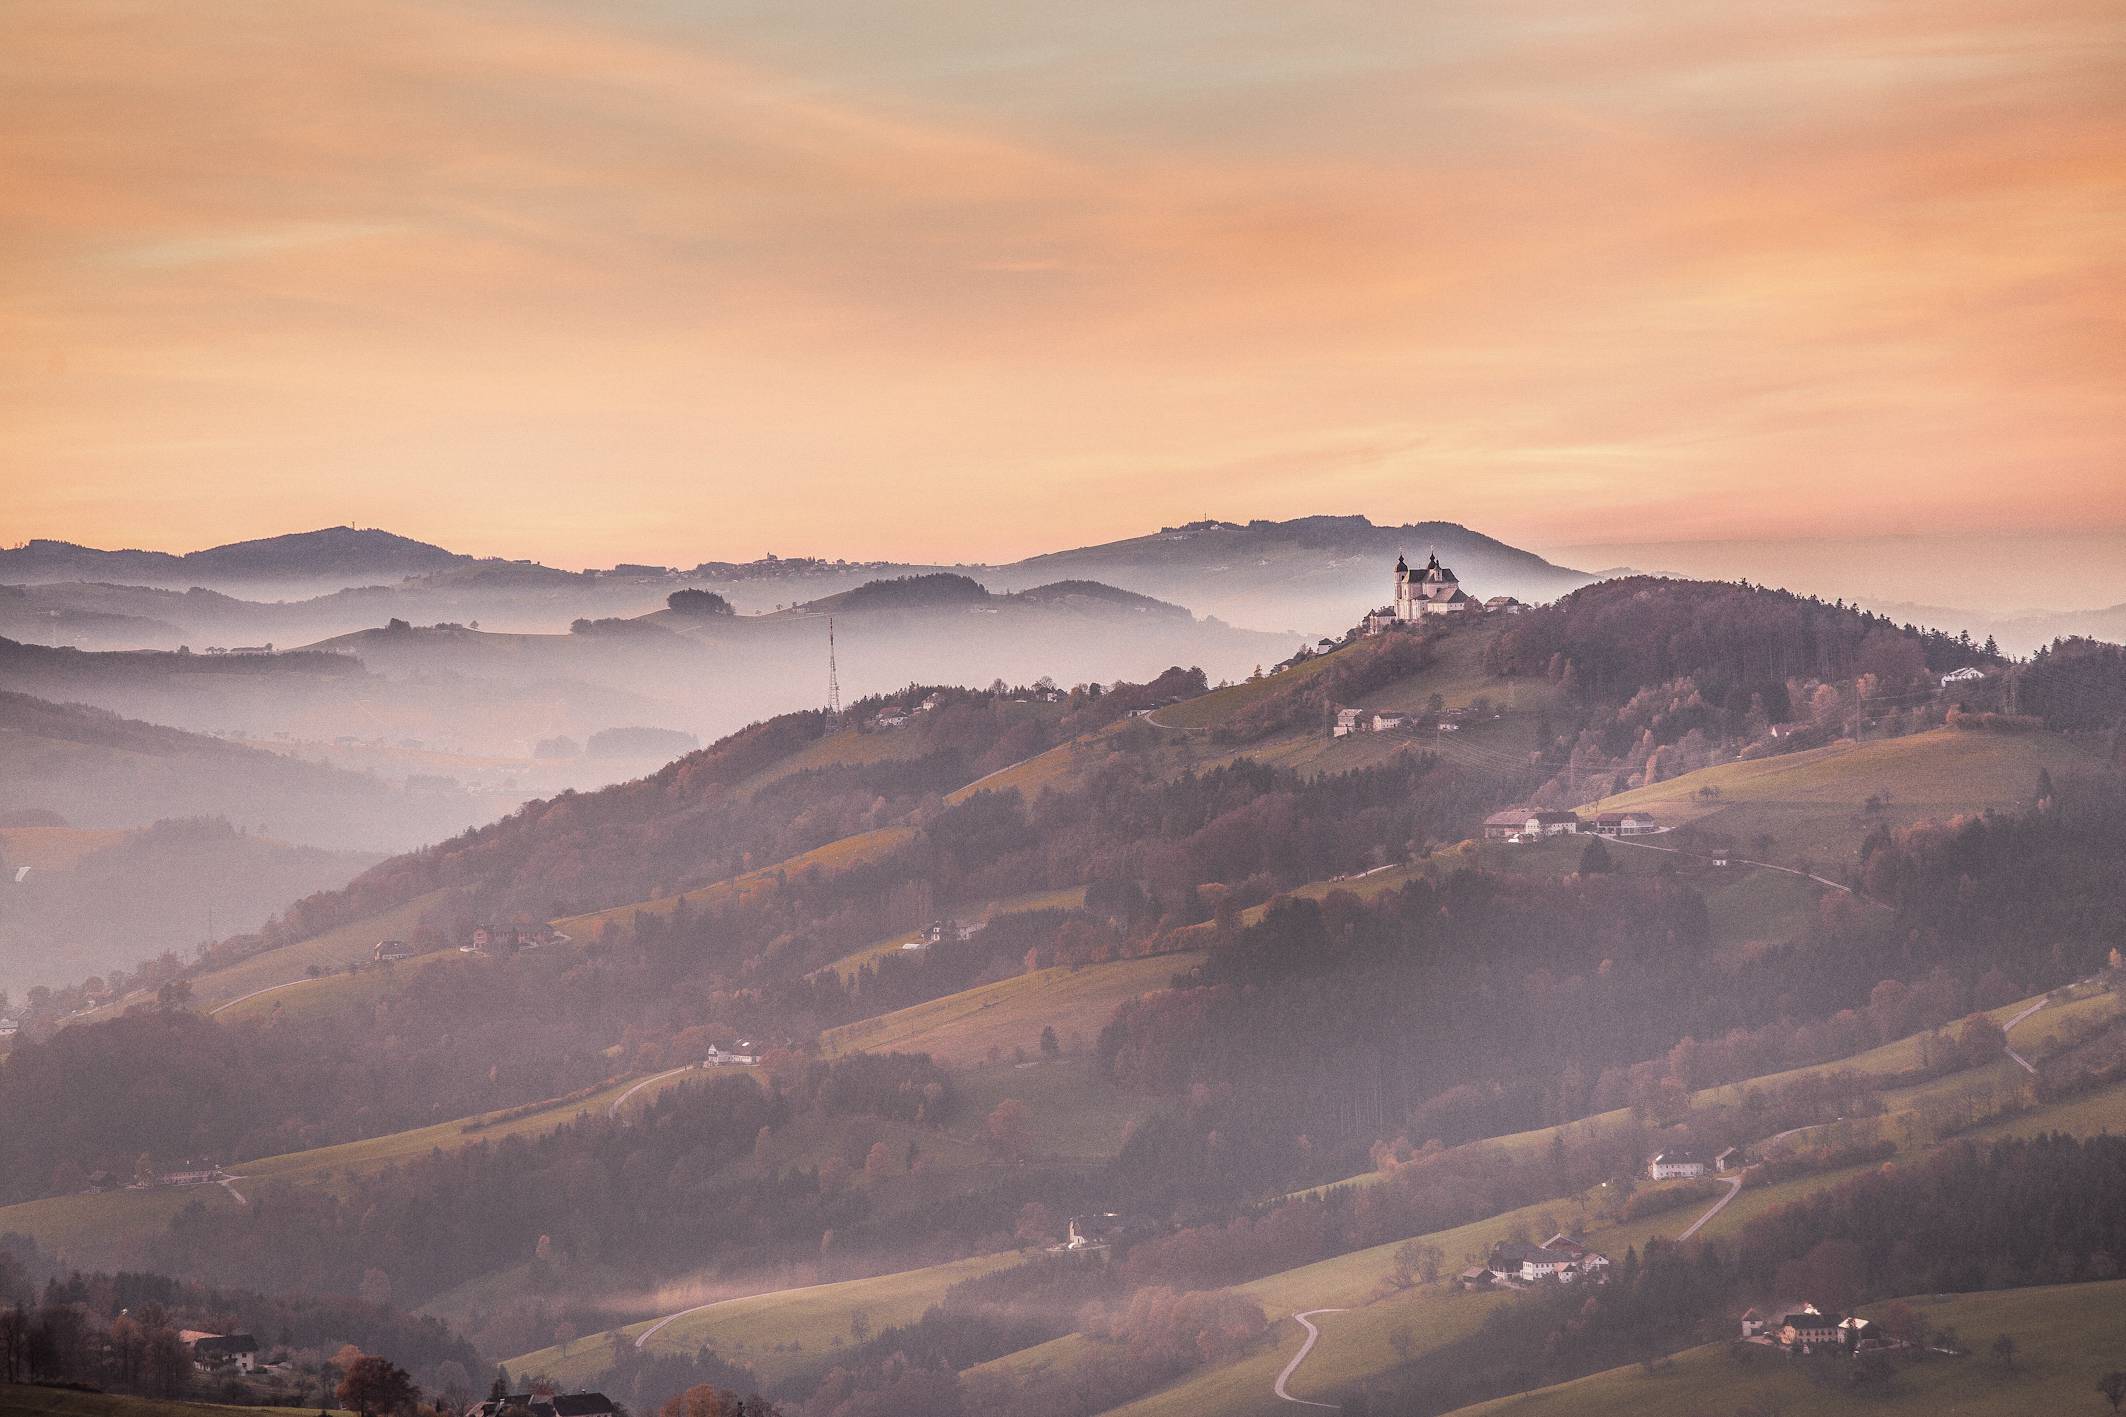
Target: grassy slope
24,1400
53,848
1010,1013
1811,802
1065,899
110,1230
106,1231
2069,1336
332,950
749,1329
848,851
1360,1342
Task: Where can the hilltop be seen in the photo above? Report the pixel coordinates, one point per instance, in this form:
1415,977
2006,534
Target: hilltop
1307,573
341,555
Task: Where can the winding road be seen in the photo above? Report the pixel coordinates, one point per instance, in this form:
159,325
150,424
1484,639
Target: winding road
255,993
1305,1319
643,1338
1744,861
2027,1010
1734,1188
614,1110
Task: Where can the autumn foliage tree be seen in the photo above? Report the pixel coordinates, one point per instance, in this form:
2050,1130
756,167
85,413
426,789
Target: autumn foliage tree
374,1386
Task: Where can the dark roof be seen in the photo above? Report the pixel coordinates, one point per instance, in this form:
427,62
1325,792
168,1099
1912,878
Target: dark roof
1680,1156
1551,818
226,1343
581,1404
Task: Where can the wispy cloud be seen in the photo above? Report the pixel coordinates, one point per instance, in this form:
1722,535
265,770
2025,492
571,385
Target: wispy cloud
1557,269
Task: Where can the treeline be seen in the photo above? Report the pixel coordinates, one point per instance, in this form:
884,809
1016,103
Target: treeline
2045,1210
658,1191
1737,642
122,1331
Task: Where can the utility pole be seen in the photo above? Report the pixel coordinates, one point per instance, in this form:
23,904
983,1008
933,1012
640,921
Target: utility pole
834,685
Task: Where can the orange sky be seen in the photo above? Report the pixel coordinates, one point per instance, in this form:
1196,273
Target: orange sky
939,280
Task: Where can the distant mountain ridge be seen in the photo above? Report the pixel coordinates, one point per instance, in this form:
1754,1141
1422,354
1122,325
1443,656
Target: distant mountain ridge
1313,574
329,554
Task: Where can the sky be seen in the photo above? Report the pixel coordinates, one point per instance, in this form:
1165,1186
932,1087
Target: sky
966,279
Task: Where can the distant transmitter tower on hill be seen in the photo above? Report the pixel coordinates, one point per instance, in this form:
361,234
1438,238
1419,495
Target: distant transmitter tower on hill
834,684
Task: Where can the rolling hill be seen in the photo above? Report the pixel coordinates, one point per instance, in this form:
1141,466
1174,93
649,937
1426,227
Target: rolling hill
95,769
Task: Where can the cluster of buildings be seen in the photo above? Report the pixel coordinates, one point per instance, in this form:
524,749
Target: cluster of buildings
512,937
743,1054
895,716
1355,720
1561,1258
1432,590
1533,824
1684,1164
1802,1328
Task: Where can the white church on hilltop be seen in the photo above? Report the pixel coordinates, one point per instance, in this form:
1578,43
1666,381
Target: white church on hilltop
1431,591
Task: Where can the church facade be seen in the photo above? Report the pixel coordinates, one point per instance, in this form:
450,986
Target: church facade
1430,591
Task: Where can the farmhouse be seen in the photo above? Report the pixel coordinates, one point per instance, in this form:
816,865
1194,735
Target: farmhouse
1560,1257
742,1055
388,950
1348,722
1806,1330
1553,823
1966,675
1500,826
189,1173
1390,722
1622,824
215,1350
1678,1164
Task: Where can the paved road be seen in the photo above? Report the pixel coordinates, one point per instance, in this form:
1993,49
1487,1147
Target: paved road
614,1110
1313,1333
642,1339
1734,1188
2012,1022
270,988
228,1183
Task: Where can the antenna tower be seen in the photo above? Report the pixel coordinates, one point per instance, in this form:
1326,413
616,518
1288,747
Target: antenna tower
834,683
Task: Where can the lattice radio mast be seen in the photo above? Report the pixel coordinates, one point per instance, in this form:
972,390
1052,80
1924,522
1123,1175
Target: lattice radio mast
834,683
